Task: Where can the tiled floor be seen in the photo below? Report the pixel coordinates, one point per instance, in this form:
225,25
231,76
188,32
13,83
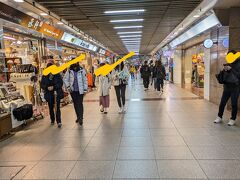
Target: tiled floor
171,136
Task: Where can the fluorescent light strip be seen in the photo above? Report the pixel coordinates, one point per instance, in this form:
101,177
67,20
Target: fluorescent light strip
126,36
124,11
7,37
132,39
127,27
208,23
126,20
130,32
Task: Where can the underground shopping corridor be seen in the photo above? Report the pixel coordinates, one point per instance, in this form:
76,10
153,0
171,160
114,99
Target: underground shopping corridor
168,136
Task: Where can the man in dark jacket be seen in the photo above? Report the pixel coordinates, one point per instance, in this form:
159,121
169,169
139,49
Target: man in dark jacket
160,75
145,73
231,90
53,93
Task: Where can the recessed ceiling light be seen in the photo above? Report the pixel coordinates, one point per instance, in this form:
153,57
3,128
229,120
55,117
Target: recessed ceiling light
43,14
19,0
130,32
126,36
196,16
124,11
61,23
126,20
127,27
181,28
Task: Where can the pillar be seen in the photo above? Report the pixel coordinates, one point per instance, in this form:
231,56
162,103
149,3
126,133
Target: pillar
234,29
177,67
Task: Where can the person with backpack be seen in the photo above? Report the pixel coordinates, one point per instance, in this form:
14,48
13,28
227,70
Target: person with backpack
104,86
160,75
53,93
231,82
145,73
75,80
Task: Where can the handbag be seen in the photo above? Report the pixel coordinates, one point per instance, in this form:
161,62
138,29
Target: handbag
227,77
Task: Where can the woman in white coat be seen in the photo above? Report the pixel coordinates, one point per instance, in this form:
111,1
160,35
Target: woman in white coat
104,86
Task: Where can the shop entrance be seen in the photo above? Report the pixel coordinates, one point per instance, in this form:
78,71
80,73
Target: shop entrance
194,69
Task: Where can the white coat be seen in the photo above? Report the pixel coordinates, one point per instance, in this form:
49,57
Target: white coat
104,85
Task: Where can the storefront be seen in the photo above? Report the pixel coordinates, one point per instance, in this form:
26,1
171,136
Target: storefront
26,44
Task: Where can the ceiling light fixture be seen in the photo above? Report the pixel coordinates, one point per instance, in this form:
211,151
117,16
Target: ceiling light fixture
130,32
19,0
196,16
127,27
60,23
125,11
126,20
127,36
43,14
7,37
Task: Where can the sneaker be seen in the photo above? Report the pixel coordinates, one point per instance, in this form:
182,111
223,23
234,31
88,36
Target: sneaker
101,109
59,125
231,122
120,110
218,120
124,109
105,111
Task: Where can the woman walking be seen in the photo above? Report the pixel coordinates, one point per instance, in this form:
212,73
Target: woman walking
75,80
120,81
53,93
104,86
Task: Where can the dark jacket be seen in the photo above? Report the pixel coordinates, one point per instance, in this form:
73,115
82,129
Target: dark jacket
159,72
145,71
55,81
236,71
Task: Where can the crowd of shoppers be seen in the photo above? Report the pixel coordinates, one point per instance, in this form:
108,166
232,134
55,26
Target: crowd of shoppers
76,82
153,73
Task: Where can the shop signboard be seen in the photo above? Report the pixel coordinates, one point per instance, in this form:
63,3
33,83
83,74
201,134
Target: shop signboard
102,51
208,43
107,53
74,40
95,48
51,31
225,43
13,15
69,38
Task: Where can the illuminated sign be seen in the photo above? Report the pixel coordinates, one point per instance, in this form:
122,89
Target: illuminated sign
208,43
74,40
102,51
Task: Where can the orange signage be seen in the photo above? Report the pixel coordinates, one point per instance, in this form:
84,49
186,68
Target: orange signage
51,31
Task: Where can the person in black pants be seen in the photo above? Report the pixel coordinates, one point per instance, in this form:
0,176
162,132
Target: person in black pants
145,73
75,79
120,81
160,74
230,91
53,93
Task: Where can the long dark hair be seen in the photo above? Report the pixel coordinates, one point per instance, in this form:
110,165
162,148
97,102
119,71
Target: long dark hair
120,67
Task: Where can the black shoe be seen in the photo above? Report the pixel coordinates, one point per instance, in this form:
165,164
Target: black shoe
80,122
59,125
